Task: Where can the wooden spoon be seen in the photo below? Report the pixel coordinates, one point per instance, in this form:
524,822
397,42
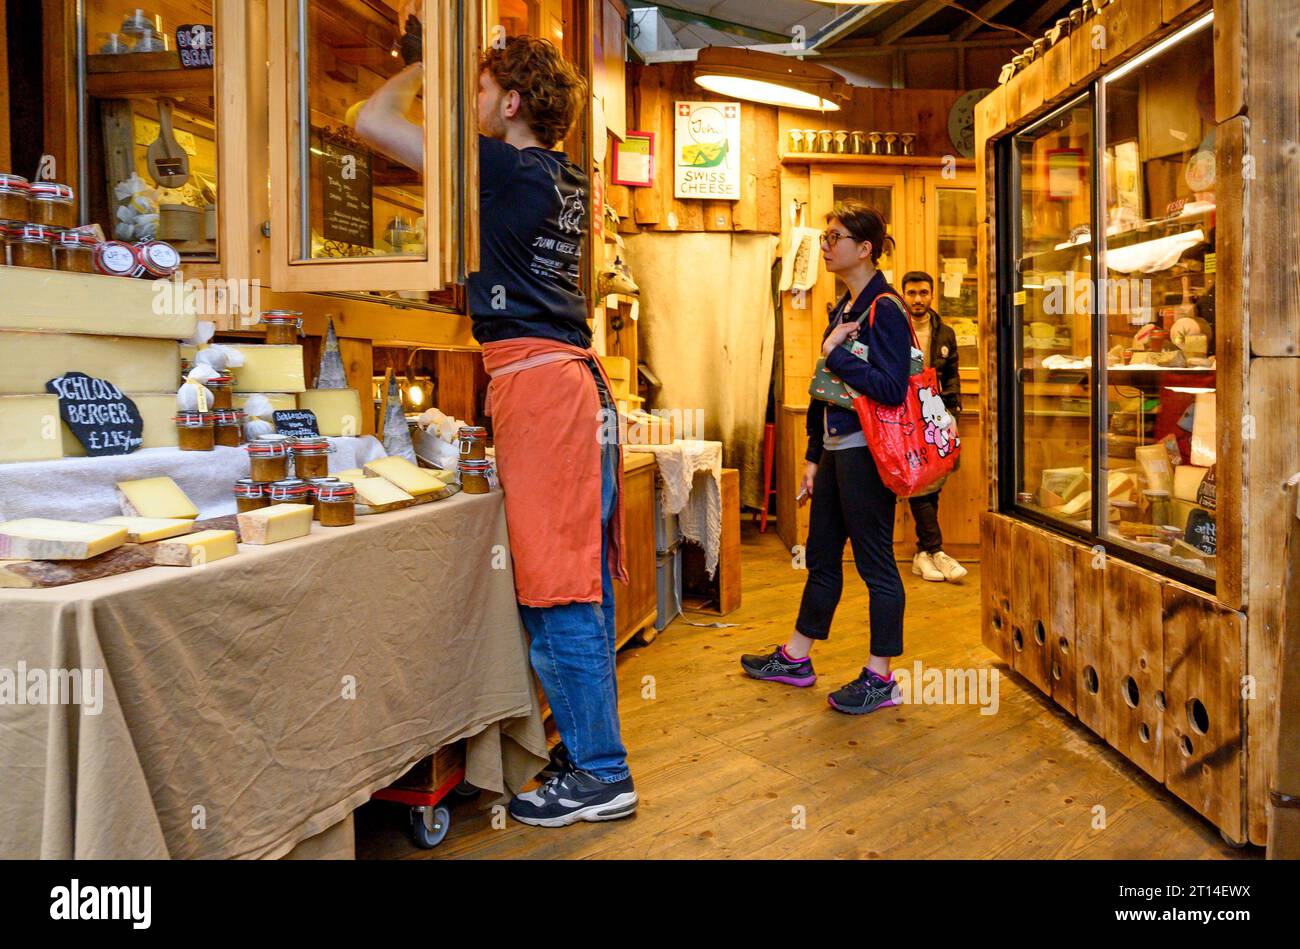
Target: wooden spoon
166,161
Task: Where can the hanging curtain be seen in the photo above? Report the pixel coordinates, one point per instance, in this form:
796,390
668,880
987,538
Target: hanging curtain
707,329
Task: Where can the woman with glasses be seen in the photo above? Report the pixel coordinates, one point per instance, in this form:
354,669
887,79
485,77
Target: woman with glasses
849,501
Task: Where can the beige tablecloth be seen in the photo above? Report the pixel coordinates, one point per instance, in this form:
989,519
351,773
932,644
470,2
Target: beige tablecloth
257,701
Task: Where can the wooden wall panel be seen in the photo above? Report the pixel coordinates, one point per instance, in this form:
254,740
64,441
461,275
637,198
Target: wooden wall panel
1232,334
1273,65
1061,623
1134,638
923,111
791,443
1093,688
1171,10
1056,70
990,117
1085,50
1229,58
1128,23
995,594
359,367
1029,607
1274,403
1205,751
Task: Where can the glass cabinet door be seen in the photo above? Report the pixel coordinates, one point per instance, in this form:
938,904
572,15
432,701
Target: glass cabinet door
367,201
954,236
1158,248
1052,307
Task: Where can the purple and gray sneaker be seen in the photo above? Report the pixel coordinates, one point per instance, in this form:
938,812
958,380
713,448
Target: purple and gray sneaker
868,692
776,666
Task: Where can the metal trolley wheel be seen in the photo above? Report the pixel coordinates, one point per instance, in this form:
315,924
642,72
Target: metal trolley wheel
429,825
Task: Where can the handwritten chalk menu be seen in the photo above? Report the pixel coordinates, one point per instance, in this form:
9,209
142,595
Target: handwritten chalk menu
347,201
196,44
295,422
1200,532
104,420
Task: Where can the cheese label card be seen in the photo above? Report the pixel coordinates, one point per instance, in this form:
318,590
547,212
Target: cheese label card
295,422
1207,493
105,421
1200,532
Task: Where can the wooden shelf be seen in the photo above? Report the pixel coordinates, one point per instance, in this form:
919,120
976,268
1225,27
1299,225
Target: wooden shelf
818,158
151,83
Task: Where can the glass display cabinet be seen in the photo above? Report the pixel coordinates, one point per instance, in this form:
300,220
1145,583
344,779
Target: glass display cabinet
1108,279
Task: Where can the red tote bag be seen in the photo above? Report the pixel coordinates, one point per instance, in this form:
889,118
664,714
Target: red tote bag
914,444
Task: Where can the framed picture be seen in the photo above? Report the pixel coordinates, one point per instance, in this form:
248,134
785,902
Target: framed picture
1065,173
634,160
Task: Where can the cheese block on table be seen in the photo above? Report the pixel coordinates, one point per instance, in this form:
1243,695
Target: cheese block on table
157,410
29,428
142,530
195,550
351,474
1187,480
269,368
155,497
337,411
376,495
411,478
132,364
280,401
279,522
39,538
66,302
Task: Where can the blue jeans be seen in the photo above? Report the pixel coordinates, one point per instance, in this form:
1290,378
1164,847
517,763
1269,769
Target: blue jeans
572,652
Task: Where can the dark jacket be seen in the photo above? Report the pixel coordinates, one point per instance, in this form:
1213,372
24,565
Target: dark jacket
943,357
882,377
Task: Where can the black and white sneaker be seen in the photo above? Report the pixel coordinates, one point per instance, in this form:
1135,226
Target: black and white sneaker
868,692
572,796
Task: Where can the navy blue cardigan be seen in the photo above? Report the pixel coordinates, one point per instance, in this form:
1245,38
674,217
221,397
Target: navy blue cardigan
884,374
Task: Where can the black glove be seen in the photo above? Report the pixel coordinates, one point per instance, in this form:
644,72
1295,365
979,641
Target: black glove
412,43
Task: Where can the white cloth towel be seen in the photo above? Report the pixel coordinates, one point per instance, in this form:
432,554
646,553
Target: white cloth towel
84,489
691,472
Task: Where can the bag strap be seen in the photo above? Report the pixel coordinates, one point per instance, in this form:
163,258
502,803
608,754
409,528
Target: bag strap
871,315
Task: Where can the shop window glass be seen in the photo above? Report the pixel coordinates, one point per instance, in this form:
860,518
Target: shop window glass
1052,302
1159,435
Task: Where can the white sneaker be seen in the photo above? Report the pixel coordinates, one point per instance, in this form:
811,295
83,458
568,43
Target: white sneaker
923,566
950,568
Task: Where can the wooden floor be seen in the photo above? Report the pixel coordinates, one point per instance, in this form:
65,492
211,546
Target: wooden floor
729,767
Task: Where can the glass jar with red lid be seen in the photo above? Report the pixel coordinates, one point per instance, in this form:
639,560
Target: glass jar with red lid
115,258
282,327
310,456
194,431
156,259
74,251
289,491
51,204
268,460
30,245
228,426
14,198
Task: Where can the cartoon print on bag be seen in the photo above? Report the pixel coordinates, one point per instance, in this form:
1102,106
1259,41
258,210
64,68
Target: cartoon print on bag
895,415
938,423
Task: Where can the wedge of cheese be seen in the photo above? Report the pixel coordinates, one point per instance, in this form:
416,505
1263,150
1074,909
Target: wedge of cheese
271,525
143,530
351,474
411,478
376,495
1187,481
195,550
29,428
269,368
337,411
445,475
132,364
155,497
39,538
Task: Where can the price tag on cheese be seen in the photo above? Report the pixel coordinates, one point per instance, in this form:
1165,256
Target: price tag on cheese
105,421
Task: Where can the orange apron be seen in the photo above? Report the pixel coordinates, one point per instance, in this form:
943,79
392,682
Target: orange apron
546,423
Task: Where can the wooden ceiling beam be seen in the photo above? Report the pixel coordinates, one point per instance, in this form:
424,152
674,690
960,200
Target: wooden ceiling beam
988,12
910,21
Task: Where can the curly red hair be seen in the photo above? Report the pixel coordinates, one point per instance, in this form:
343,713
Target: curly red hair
551,90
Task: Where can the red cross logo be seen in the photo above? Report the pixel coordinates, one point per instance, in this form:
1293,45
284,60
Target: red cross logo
683,108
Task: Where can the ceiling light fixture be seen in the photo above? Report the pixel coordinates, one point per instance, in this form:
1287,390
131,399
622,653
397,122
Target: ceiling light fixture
769,78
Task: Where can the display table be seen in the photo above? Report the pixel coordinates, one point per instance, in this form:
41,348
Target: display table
255,702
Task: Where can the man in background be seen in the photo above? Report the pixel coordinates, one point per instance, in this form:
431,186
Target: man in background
938,345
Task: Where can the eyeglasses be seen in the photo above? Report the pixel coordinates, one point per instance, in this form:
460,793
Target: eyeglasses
831,237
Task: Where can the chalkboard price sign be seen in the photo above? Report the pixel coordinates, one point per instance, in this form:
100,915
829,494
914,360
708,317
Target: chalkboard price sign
1201,533
196,45
348,203
295,422
105,421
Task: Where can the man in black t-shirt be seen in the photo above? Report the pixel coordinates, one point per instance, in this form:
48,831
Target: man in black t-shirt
551,407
